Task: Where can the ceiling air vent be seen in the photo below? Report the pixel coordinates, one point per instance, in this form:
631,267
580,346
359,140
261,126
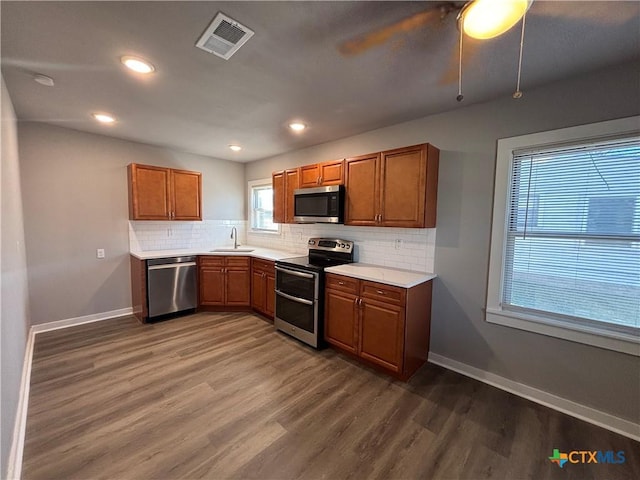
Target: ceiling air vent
224,36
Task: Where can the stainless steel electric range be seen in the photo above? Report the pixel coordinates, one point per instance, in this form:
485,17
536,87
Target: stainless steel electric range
300,288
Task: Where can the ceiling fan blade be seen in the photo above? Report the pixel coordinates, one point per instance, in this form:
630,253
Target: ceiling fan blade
605,13
378,37
450,76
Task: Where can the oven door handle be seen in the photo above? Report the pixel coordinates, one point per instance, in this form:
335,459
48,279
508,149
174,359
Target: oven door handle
297,274
294,299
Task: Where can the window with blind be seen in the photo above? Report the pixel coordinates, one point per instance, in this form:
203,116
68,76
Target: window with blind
570,236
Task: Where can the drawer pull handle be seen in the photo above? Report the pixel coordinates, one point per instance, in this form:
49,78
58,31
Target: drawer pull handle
340,283
380,292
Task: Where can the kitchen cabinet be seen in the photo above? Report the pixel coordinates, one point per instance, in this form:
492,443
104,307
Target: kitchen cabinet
284,183
139,288
383,325
322,174
394,188
263,286
225,281
158,193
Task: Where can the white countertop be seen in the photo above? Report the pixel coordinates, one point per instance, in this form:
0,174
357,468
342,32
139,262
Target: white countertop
258,252
363,271
376,273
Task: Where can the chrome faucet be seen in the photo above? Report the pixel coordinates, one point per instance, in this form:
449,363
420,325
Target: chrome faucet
234,235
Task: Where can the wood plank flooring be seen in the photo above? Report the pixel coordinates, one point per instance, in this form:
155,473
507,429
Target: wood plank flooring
224,396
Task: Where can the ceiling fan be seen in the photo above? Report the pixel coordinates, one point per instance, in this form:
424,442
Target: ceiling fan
479,19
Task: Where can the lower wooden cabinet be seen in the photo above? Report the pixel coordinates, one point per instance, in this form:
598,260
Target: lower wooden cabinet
383,325
225,281
263,286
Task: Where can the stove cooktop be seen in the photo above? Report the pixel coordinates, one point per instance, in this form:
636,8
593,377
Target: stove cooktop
315,264
323,253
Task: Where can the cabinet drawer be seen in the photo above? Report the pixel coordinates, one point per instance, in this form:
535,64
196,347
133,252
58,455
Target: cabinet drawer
383,293
342,283
238,261
211,261
263,265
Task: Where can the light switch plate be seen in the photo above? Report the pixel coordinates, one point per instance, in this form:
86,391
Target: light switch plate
100,253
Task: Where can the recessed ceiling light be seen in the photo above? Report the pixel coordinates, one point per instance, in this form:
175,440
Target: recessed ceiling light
297,126
137,64
44,80
103,118
235,148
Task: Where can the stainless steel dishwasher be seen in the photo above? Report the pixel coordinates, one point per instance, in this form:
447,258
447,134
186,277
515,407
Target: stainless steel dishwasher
171,285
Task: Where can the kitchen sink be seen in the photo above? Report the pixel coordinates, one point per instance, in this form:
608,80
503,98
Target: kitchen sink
231,250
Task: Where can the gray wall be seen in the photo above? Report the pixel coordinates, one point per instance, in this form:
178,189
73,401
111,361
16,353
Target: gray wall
75,201
602,379
14,313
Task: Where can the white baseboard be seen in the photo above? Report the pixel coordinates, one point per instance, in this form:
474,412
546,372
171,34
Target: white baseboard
588,414
14,468
70,322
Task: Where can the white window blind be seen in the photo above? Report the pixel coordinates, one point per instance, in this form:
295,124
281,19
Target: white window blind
572,248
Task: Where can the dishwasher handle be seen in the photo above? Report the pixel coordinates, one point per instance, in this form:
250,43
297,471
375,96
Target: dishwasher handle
172,265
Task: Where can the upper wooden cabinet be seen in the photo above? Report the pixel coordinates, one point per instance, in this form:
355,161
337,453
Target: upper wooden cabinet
395,188
362,190
321,174
284,183
158,193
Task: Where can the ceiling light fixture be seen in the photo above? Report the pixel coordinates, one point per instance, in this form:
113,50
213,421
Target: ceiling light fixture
137,64
297,126
485,19
235,148
104,118
43,80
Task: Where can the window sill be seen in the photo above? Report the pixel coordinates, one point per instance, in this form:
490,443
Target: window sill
620,342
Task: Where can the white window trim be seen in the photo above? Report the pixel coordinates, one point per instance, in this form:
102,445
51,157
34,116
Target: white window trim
251,230
494,313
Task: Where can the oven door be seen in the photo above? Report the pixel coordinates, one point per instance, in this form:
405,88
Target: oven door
297,304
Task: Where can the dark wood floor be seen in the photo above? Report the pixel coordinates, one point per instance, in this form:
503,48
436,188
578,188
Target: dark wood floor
224,396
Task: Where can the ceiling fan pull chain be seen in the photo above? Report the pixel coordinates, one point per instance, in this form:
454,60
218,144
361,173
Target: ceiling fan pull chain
518,92
460,96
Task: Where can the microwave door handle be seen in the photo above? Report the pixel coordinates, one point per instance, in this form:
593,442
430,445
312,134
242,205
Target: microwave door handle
293,272
294,299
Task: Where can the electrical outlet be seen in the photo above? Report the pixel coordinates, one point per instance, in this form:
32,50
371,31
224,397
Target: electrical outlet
398,243
100,253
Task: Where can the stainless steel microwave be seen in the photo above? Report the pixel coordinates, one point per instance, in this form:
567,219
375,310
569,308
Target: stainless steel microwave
319,204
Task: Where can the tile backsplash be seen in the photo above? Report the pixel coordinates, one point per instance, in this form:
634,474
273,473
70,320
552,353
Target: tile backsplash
207,234
407,248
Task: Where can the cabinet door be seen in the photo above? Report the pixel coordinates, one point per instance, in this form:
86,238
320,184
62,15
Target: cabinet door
186,195
382,334
309,176
270,295
258,296
238,286
149,192
332,173
291,184
211,286
279,196
361,180
403,179
341,314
